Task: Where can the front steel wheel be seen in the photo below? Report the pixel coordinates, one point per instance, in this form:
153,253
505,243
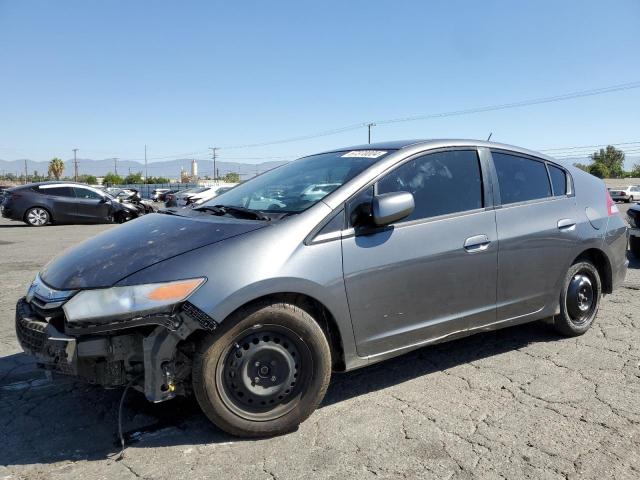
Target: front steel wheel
266,371
579,299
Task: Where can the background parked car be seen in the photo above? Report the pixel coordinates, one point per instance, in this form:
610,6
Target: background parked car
178,199
38,204
155,194
208,194
132,196
625,194
633,216
3,192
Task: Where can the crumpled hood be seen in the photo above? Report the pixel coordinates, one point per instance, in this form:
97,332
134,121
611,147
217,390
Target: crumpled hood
115,254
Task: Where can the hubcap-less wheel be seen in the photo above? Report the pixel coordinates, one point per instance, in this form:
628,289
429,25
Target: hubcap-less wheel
263,372
37,217
580,298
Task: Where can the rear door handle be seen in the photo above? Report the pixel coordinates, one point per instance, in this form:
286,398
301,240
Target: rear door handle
477,243
566,224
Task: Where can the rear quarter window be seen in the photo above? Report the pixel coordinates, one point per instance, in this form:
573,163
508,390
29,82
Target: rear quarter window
558,180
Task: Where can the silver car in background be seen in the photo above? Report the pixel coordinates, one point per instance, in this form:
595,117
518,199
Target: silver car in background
329,263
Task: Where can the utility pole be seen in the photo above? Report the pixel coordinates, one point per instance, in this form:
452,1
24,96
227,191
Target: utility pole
146,174
369,125
115,166
26,172
214,155
75,165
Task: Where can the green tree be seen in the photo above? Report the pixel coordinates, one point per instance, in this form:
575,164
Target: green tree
56,168
133,178
89,179
612,159
582,166
113,179
157,180
599,170
231,177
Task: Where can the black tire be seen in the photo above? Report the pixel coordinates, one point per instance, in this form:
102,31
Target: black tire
265,372
37,217
634,246
579,299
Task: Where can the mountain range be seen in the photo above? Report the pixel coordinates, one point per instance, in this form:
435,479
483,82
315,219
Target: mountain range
169,168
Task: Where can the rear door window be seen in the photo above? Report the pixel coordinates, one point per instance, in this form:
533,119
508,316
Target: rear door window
558,180
58,191
521,179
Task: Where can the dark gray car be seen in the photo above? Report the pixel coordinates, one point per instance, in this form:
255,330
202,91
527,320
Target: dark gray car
39,204
251,300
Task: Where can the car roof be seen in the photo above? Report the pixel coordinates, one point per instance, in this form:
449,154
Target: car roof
440,143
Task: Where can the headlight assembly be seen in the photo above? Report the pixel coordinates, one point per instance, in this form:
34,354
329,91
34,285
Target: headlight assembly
136,300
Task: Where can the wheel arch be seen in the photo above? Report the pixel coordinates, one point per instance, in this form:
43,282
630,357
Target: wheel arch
320,313
602,263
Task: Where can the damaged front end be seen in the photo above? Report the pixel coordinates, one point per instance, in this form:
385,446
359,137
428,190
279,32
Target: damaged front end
149,348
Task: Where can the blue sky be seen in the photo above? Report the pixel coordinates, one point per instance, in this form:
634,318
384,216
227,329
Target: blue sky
108,77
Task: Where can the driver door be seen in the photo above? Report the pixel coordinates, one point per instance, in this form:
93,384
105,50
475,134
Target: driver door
91,206
432,273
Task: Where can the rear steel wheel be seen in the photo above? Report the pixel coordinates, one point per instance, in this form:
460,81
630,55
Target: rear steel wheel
579,299
37,217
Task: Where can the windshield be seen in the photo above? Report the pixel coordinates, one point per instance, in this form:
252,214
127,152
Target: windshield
298,185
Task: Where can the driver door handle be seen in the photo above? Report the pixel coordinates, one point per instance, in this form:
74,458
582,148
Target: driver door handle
477,243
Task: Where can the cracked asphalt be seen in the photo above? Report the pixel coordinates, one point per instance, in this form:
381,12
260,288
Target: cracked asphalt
516,403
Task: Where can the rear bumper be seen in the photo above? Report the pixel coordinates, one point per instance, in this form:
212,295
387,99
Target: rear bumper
6,212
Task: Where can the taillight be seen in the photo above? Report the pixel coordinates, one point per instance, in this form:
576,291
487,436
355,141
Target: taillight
612,208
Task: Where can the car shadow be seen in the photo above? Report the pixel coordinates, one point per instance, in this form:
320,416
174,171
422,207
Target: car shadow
47,420
14,225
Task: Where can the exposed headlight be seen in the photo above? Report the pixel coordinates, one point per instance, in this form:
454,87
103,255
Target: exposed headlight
136,300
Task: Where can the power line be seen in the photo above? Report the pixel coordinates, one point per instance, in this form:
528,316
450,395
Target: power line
589,146
488,108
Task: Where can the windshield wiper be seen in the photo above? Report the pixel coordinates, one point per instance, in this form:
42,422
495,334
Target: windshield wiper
166,211
240,212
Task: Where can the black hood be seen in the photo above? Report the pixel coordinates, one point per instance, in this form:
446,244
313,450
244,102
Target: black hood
115,254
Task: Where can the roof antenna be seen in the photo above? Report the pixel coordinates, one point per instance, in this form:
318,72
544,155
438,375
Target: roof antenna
489,137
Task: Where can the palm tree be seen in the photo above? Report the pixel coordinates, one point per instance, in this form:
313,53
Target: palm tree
56,168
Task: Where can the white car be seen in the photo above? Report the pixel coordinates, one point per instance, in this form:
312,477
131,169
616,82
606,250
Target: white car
211,192
157,194
318,191
625,194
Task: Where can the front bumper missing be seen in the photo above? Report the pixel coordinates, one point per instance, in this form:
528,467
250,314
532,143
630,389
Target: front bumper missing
112,357
52,349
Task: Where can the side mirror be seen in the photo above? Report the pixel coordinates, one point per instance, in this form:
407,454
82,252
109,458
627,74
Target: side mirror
391,207
104,200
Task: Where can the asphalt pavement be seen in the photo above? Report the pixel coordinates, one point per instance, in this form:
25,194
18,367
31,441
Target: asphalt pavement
517,403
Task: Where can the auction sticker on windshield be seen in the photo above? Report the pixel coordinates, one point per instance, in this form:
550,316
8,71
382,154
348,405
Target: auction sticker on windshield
365,153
